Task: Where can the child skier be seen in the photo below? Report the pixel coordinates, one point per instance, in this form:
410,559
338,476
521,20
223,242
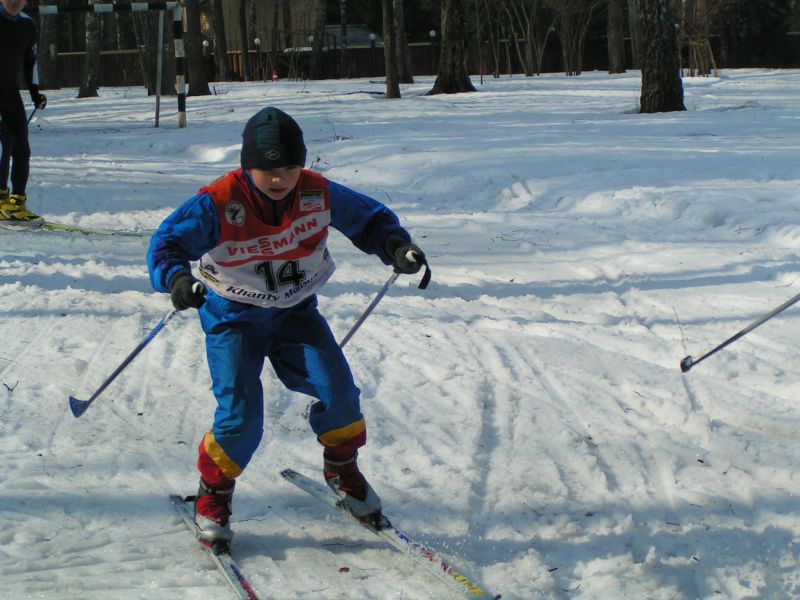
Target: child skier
259,234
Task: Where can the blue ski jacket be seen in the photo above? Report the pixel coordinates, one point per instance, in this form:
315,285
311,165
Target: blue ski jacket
193,229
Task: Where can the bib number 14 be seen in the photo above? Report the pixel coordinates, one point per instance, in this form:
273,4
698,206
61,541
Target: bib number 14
286,274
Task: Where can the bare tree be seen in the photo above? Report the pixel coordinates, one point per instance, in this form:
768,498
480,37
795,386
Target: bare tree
286,11
252,29
320,16
452,76
530,30
145,25
574,18
48,50
493,30
344,70
389,50
125,38
695,19
633,11
615,30
274,41
220,43
403,68
196,66
662,89
245,40
88,87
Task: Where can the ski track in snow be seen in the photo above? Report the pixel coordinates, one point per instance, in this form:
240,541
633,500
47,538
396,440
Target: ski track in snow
527,417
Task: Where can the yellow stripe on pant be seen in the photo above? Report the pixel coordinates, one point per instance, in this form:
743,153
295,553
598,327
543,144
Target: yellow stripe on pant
215,452
347,433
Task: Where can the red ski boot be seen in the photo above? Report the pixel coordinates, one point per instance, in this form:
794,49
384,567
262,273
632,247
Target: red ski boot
344,478
212,512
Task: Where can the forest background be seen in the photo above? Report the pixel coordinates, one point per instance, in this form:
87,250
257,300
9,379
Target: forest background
235,40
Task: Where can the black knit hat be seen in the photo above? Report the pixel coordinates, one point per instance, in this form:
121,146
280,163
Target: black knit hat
272,139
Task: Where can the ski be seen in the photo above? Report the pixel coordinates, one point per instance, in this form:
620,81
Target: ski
53,226
418,552
220,555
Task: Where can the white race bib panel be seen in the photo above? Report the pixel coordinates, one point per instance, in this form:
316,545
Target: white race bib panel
274,266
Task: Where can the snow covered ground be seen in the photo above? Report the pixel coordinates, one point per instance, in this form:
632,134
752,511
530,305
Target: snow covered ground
527,415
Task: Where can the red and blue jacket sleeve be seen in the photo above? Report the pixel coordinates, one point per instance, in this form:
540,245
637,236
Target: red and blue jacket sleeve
364,220
184,236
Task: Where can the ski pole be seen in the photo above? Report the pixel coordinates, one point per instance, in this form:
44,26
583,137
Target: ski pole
688,362
78,407
381,293
33,112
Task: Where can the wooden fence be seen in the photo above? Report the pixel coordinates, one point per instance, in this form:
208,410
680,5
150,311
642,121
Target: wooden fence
122,67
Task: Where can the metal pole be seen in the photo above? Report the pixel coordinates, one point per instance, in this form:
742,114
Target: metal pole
370,308
180,65
78,407
688,362
159,63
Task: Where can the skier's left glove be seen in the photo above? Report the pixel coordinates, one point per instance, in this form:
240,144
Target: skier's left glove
39,100
186,291
406,257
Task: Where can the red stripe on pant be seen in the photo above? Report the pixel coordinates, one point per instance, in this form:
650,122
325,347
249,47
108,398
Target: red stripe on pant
209,470
347,448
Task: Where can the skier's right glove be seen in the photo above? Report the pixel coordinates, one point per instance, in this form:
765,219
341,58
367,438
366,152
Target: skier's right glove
186,291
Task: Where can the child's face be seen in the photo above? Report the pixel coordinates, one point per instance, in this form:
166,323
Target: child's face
275,183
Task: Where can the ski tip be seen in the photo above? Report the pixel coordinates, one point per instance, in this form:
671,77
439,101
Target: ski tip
178,499
78,407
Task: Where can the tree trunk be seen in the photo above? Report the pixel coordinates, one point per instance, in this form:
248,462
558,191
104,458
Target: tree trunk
145,26
246,67
196,66
390,50
286,9
125,37
633,12
274,41
616,36
48,52
574,17
88,87
344,70
220,43
452,76
320,14
662,89
403,68
252,28
494,36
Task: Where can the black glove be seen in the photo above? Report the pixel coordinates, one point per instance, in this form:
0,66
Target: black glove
39,100
406,257
186,291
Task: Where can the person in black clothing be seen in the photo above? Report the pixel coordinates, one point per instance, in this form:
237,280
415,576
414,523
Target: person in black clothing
17,48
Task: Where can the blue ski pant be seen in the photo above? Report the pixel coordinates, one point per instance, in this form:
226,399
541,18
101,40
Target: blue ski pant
306,358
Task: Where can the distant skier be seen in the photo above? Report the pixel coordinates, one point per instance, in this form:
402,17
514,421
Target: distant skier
260,235
17,48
